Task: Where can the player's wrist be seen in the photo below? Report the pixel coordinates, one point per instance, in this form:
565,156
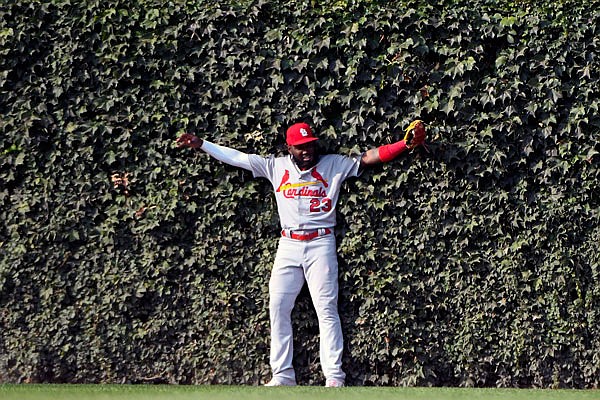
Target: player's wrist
390,151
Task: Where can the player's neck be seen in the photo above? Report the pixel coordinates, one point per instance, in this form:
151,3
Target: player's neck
306,166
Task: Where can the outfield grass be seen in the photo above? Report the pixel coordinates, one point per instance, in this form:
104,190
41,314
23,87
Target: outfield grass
171,392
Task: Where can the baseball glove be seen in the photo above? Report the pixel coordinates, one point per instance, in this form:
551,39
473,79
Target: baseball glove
415,134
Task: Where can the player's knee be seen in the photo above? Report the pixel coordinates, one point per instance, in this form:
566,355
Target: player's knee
327,308
283,303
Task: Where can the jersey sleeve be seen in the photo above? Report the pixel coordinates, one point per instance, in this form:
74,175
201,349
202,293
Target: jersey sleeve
262,167
226,154
349,165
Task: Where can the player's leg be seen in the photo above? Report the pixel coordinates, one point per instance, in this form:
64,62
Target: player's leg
321,271
286,282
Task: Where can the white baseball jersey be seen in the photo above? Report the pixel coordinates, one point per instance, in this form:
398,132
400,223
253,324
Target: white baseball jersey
306,200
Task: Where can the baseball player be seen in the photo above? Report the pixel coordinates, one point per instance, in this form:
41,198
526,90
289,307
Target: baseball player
307,186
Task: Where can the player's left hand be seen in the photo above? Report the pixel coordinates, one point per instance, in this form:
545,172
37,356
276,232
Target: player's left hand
189,140
415,134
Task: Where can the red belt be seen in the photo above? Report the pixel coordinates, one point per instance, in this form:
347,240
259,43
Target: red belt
306,236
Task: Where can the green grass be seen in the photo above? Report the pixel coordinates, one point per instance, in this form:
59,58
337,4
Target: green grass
170,392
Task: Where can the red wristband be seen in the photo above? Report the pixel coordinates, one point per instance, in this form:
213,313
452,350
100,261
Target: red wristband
390,151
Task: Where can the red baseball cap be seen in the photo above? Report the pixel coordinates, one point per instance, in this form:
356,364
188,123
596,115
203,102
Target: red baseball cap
299,133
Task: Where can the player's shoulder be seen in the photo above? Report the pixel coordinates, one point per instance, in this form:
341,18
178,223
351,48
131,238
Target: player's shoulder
269,158
277,160
336,157
332,156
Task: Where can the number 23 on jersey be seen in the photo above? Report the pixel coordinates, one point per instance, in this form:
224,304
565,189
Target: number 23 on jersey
320,205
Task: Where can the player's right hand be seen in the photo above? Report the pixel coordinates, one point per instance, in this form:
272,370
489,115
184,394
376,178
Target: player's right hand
189,140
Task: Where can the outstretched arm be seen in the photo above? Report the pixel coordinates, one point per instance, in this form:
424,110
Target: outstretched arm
383,153
221,153
415,136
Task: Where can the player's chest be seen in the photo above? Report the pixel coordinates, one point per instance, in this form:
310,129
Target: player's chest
314,183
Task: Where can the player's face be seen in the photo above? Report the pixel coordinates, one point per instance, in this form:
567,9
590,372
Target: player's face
305,155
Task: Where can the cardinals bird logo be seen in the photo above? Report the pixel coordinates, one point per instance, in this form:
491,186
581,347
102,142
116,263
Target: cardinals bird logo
318,177
285,184
284,180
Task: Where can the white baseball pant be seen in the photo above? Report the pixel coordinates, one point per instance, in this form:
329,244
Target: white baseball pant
316,262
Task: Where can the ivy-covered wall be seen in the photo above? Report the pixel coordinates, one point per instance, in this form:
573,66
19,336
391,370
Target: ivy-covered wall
123,259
